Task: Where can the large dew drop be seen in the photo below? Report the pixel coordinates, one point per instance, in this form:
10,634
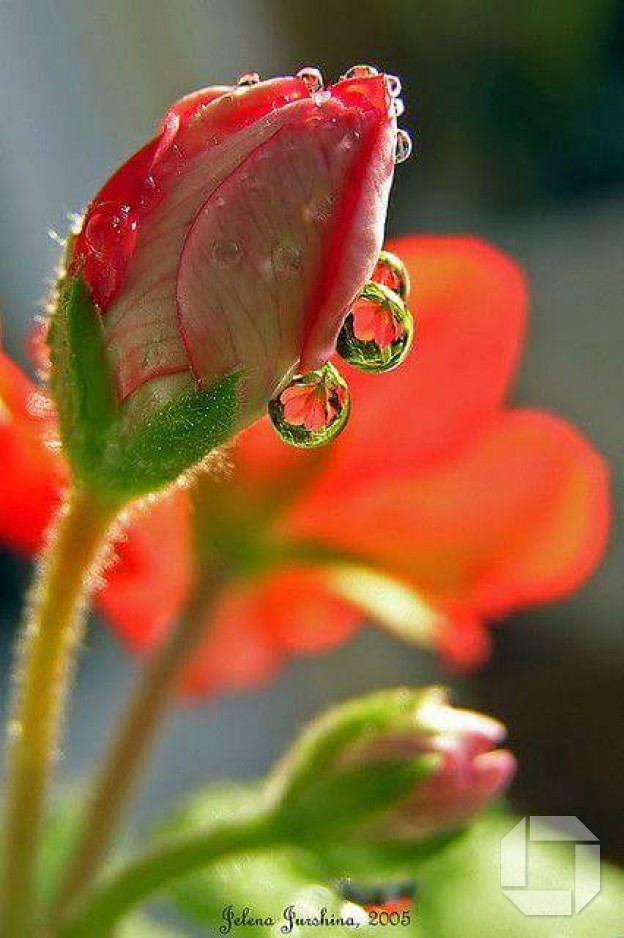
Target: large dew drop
312,409
378,332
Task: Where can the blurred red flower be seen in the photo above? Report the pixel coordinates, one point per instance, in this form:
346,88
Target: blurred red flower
436,511
33,475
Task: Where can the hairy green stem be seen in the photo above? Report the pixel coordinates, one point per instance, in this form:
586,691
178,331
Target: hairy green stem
51,633
126,757
94,915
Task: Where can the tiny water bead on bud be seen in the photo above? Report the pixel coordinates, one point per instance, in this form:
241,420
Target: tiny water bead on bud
394,86
312,409
286,258
403,146
225,253
361,71
377,334
312,78
247,79
397,107
112,226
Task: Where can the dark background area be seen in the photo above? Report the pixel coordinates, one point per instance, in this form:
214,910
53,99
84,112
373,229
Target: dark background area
517,113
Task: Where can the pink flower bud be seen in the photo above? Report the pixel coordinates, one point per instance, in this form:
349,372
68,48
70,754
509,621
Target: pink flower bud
469,771
391,769
241,235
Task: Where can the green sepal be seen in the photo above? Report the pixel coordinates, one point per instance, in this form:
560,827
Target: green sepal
121,458
81,379
340,802
343,726
167,443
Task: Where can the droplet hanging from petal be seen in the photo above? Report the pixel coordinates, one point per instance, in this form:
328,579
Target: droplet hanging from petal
312,409
378,332
391,272
403,146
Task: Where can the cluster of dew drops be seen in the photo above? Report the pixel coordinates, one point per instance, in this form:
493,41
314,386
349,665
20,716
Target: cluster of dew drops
377,333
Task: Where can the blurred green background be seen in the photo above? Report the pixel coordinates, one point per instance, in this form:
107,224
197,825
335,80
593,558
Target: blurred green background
517,113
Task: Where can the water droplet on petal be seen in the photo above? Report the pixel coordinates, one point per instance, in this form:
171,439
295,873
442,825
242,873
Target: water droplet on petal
320,207
111,229
225,253
393,84
390,272
286,258
378,332
403,146
361,71
397,107
349,140
312,409
247,79
150,194
321,97
312,78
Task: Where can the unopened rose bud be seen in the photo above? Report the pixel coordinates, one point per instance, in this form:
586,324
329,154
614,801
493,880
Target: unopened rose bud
394,767
224,256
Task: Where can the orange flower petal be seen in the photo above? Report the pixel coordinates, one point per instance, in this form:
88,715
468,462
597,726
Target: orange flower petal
258,624
152,574
519,516
302,615
33,476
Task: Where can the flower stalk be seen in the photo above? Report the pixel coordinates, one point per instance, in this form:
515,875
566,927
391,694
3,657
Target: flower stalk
121,768
51,634
96,914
